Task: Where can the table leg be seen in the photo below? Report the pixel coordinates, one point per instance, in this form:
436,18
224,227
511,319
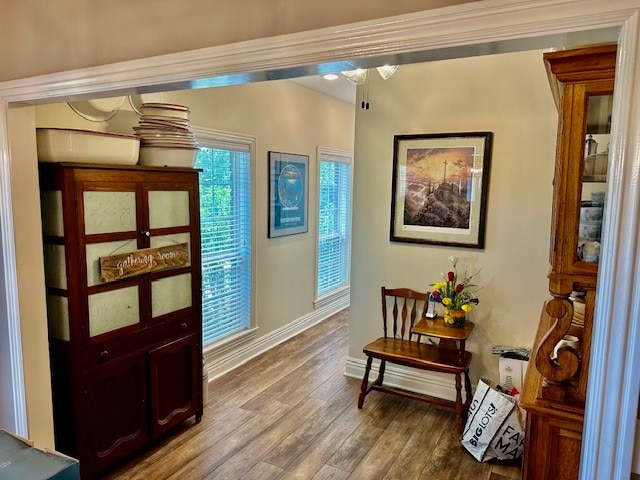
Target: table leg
459,410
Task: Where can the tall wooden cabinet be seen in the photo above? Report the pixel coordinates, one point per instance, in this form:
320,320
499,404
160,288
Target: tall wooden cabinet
125,350
554,392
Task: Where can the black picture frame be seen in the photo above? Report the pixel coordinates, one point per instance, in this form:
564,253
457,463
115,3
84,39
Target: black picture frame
440,186
288,194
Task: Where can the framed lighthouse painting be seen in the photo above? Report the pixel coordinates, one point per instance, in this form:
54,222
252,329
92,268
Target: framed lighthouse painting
440,187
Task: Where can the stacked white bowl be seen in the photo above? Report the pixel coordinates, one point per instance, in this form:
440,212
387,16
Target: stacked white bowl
165,138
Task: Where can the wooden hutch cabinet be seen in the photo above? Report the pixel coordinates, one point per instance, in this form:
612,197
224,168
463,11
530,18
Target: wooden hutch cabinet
125,348
555,390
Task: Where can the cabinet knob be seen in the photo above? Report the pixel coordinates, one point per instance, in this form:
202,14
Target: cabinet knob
104,354
183,326
145,233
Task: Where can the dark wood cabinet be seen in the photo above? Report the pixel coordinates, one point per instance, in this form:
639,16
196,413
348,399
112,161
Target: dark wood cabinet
174,383
116,409
554,392
125,349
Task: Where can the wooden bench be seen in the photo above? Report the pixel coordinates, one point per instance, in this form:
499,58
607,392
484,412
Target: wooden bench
396,346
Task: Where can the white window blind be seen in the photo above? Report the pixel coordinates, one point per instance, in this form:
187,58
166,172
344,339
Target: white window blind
334,221
225,219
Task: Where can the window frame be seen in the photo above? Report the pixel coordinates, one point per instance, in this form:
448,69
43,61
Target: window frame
211,138
342,291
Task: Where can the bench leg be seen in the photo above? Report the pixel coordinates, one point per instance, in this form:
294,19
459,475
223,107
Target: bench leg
459,425
365,383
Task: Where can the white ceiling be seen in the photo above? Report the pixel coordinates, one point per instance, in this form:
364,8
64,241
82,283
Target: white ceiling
341,88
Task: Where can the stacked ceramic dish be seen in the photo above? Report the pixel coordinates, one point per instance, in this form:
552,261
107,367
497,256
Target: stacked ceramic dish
590,228
165,138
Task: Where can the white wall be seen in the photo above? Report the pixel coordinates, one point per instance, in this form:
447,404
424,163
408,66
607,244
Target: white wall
508,95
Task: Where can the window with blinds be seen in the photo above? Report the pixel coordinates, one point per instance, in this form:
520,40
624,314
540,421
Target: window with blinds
334,221
225,219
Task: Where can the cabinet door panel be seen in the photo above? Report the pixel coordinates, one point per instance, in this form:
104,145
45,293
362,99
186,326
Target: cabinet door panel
109,212
168,208
52,213
113,309
55,268
170,294
117,409
58,317
174,373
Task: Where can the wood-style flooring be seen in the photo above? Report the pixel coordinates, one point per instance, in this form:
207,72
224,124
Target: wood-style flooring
292,413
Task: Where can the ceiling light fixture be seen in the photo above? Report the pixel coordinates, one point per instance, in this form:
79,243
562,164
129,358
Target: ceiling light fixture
359,76
330,76
386,71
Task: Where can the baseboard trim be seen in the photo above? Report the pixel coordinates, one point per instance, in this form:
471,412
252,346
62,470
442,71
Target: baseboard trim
219,362
635,463
418,381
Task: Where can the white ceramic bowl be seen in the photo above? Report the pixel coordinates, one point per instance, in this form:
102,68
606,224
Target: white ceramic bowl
165,110
167,156
86,146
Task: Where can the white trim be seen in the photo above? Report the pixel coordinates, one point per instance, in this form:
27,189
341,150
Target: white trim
340,295
635,464
406,378
219,362
12,357
474,25
612,393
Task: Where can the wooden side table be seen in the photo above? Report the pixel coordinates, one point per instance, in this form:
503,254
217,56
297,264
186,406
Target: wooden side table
452,340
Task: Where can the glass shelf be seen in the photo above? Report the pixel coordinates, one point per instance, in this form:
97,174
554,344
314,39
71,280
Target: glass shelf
594,177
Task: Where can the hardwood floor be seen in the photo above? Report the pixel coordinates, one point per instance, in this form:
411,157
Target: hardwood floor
292,414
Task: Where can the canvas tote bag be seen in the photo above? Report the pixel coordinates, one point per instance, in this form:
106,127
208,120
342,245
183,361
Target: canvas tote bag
494,427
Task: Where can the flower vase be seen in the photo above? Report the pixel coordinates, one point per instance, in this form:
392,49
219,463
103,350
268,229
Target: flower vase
454,318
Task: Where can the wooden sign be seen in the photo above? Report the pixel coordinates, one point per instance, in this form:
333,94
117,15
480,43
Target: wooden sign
139,262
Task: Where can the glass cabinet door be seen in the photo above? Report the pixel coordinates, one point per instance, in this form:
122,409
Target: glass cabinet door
110,227
170,224
594,177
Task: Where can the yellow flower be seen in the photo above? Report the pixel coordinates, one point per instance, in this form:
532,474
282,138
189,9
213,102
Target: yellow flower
446,301
467,307
439,285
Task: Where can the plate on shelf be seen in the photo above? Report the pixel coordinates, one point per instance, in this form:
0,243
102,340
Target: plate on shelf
97,110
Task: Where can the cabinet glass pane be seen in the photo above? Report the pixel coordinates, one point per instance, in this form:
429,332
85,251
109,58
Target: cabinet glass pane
97,250
108,212
168,208
51,205
170,294
596,160
55,270
112,310
58,317
168,240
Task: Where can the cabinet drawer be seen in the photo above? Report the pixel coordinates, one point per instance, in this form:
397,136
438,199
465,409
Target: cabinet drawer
178,327
141,340
114,349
